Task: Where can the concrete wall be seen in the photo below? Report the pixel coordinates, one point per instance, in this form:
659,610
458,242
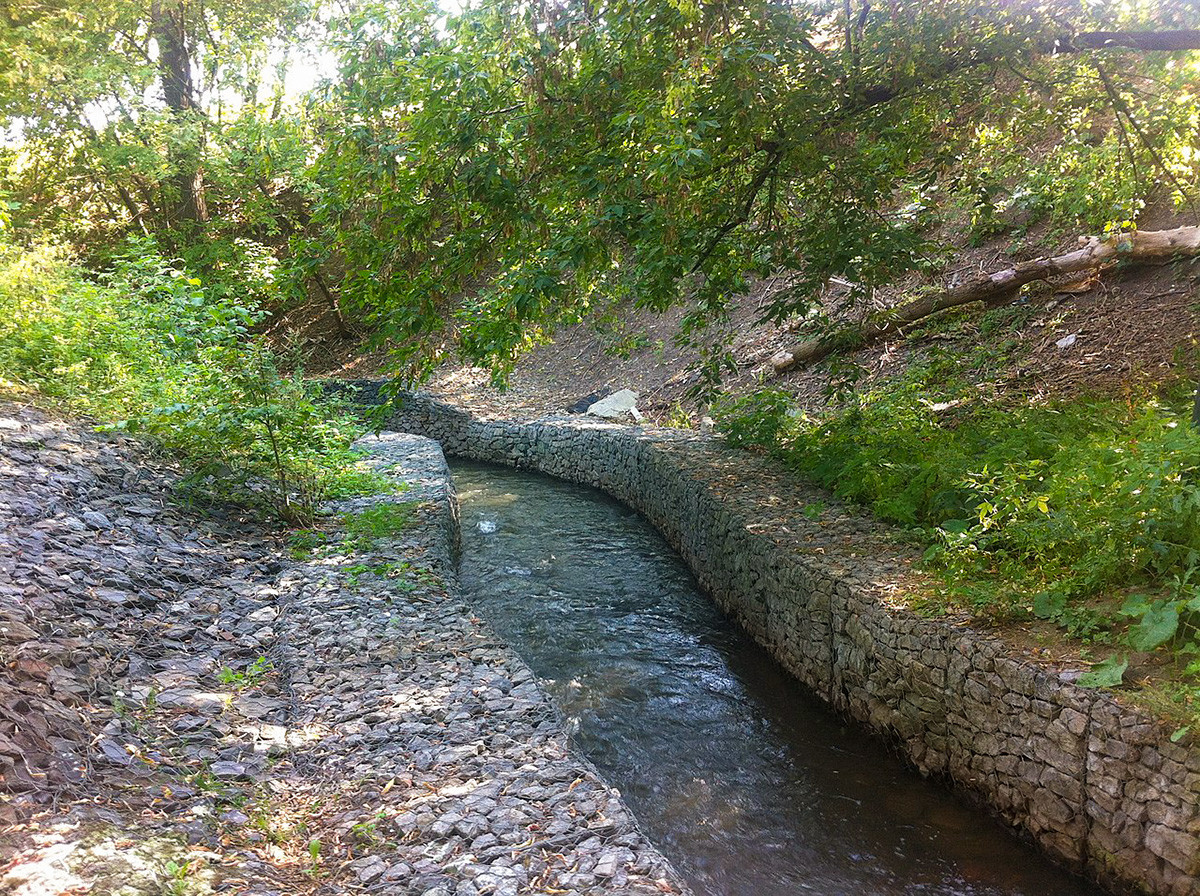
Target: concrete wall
1098,785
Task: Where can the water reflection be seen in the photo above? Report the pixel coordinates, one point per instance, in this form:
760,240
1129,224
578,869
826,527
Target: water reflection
749,785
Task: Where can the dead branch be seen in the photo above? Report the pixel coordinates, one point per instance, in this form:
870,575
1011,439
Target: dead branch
1139,247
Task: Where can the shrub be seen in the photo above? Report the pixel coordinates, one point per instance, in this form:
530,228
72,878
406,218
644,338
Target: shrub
1072,499
151,350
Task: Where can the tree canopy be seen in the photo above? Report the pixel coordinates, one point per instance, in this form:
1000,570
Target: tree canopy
129,115
497,172
464,181
468,181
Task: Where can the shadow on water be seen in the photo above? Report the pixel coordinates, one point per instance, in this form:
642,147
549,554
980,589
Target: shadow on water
746,782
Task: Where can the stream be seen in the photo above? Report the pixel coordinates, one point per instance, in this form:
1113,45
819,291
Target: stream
748,784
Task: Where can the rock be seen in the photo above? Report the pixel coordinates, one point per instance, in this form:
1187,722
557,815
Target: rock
368,869
96,520
620,406
233,817
607,865
113,596
115,752
399,871
226,769
581,406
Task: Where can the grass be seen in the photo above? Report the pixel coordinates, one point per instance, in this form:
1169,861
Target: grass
378,522
361,533
1084,514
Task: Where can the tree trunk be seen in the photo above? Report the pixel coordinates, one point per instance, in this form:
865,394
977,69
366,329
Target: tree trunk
1137,247
343,328
175,71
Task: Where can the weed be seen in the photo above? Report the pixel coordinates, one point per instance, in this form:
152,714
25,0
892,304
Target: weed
177,873
303,543
379,521
813,510
314,857
678,417
250,677
405,576
399,574
366,832
205,781
356,571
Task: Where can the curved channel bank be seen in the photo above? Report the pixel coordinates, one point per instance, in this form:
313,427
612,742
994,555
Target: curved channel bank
485,795
1098,785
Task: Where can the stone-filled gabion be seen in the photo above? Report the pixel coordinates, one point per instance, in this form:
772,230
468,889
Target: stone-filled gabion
1098,785
460,759
191,703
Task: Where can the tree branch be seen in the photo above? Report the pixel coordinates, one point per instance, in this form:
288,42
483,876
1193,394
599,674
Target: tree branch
1122,108
743,215
1139,247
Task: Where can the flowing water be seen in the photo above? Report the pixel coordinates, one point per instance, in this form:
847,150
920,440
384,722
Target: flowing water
743,780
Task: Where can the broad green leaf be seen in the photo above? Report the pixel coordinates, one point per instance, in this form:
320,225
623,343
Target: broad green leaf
1157,627
1049,604
1135,605
1107,674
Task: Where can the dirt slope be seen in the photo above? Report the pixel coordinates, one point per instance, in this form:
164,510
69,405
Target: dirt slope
1125,330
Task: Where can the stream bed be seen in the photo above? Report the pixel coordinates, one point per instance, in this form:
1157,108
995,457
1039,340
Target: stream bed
747,783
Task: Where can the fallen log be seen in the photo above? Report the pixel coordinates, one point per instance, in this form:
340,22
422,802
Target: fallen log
1139,247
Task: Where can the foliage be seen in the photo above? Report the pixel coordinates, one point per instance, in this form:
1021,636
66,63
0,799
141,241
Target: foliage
1102,154
150,348
1052,511
470,181
758,419
489,175
166,120
1033,509
114,101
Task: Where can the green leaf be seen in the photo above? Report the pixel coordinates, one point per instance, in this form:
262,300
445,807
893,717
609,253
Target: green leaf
1157,627
1108,674
1049,604
1135,605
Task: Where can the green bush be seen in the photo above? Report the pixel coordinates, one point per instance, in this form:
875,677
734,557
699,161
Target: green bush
1071,499
151,350
73,339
